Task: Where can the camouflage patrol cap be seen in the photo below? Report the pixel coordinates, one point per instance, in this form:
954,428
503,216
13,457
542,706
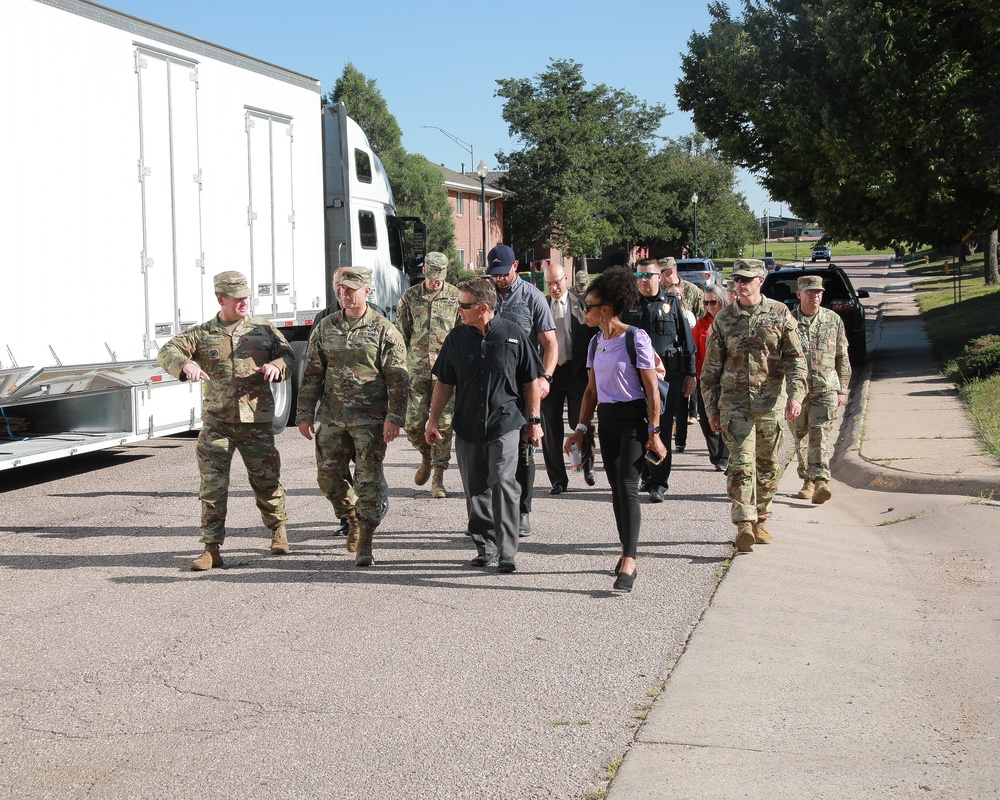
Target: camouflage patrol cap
668,263
749,268
232,283
355,277
807,282
436,266
582,279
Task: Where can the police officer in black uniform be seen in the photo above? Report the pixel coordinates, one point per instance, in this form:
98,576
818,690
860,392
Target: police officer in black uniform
662,317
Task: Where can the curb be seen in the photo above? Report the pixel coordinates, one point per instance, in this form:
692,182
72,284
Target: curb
850,467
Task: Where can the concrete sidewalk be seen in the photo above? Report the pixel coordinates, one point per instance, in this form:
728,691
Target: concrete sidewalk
856,656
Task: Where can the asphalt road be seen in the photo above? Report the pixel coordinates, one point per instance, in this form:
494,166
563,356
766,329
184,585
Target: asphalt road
122,674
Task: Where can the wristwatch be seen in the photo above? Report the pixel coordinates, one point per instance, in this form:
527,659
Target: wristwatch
534,420
548,378
654,428
581,428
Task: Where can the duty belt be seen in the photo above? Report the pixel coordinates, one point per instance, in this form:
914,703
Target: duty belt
673,361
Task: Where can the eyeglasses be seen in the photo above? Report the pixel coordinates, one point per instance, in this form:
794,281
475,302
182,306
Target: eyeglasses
711,302
467,306
742,279
589,306
647,276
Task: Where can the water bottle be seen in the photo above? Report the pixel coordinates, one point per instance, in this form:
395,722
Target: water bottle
575,462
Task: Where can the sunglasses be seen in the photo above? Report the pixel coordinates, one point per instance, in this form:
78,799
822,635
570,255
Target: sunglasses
467,306
647,275
742,279
589,306
711,302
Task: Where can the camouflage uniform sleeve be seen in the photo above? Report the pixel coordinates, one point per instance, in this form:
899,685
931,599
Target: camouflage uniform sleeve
311,388
404,320
796,366
711,372
697,301
178,351
397,379
842,361
282,355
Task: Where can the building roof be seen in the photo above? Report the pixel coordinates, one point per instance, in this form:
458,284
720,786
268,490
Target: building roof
469,181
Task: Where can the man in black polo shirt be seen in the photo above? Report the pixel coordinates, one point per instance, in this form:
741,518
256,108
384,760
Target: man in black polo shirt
485,361
662,317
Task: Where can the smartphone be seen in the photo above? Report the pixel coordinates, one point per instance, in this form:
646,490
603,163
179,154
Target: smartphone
652,458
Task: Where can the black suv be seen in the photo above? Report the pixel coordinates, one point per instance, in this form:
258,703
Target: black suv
838,295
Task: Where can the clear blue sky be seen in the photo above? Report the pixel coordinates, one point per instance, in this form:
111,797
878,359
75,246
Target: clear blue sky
437,62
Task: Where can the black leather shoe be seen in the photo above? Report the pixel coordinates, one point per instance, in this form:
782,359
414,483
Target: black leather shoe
590,477
557,489
656,494
722,466
524,525
678,448
343,530
484,560
507,565
624,581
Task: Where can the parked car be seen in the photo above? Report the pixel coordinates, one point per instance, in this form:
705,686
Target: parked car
838,295
701,271
820,253
770,263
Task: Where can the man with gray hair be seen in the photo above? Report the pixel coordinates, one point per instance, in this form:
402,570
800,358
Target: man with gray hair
427,313
490,367
236,356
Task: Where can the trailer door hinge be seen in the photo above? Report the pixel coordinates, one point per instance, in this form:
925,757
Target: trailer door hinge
144,171
197,177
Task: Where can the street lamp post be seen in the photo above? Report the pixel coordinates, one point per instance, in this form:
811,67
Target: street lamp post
482,170
694,200
460,142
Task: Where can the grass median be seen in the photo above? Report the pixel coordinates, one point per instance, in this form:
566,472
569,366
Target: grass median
958,308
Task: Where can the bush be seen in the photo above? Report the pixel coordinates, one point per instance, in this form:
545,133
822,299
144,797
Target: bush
980,360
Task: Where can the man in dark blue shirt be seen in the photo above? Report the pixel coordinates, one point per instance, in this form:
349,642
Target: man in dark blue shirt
488,363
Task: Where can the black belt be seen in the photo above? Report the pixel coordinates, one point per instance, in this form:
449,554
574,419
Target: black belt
673,362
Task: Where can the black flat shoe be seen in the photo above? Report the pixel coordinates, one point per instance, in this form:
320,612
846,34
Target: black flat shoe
618,566
624,581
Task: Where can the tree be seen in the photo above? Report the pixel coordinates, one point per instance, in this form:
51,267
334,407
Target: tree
879,119
416,183
366,106
583,153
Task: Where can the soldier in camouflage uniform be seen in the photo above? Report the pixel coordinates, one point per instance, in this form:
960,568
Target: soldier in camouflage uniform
752,358
427,312
356,372
694,297
237,356
580,283
824,341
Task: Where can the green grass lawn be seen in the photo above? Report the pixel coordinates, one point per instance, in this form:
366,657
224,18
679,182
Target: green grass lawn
952,324
786,253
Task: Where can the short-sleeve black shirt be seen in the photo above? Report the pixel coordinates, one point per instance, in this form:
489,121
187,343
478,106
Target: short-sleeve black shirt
487,373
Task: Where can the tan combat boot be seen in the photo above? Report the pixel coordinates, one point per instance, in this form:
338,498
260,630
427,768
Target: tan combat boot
279,541
821,492
364,556
744,537
210,558
424,470
761,535
437,484
353,532
806,492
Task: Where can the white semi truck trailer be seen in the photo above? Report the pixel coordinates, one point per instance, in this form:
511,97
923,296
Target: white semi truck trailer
135,163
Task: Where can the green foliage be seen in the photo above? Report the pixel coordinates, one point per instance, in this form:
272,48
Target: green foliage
366,106
982,398
980,359
578,142
878,119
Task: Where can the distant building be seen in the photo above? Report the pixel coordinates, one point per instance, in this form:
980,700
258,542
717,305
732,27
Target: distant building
465,198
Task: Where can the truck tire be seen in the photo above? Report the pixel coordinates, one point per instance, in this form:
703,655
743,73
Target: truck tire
281,391
297,371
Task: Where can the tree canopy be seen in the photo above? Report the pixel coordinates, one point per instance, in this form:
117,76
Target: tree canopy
593,171
878,119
